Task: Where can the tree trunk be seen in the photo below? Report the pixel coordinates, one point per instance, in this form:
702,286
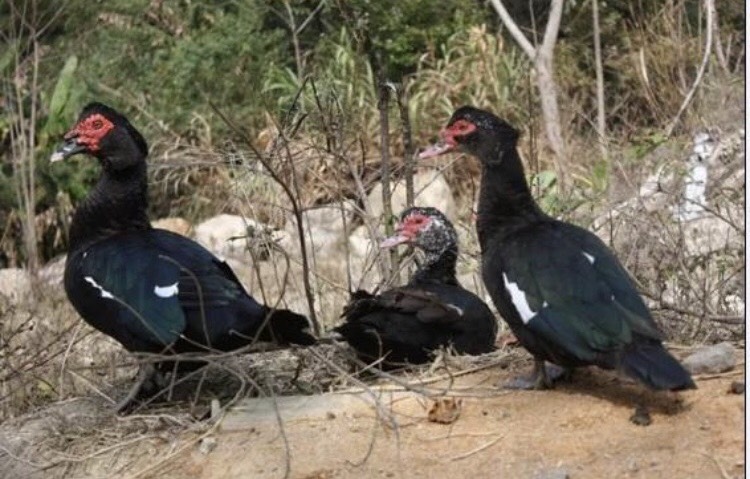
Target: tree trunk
601,116
550,111
542,57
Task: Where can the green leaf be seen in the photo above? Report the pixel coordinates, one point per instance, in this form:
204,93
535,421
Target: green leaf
61,95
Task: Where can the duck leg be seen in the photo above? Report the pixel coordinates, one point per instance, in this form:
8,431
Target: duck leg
147,381
542,377
641,415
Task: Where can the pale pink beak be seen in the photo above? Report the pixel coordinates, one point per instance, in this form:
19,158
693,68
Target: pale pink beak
395,240
439,148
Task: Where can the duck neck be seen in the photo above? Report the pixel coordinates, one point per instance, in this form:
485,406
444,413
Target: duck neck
438,268
116,204
505,200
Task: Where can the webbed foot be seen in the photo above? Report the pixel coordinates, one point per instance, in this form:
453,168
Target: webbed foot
542,377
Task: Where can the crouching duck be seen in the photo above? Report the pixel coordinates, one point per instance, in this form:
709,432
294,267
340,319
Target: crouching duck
406,324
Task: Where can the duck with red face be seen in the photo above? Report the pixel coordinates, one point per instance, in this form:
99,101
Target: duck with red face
406,324
152,290
563,293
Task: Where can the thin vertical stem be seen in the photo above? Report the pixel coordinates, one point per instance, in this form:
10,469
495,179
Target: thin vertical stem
402,100
385,164
601,118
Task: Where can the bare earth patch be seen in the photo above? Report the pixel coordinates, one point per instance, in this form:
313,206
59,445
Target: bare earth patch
579,430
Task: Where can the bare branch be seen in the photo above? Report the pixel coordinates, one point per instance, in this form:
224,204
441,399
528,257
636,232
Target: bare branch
310,17
709,5
296,209
552,28
601,115
516,32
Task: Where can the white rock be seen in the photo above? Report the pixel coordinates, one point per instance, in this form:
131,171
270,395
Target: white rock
361,244
15,284
430,189
207,445
707,234
225,235
175,224
52,273
325,231
711,359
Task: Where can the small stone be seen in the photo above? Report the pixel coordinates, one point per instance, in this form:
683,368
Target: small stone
714,359
207,445
737,387
330,415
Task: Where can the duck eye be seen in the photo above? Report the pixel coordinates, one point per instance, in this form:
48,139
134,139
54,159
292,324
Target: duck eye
97,124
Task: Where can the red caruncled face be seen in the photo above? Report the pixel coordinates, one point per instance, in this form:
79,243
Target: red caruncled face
413,224
89,131
458,128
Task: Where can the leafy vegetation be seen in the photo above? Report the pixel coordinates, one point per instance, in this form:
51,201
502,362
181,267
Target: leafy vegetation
164,62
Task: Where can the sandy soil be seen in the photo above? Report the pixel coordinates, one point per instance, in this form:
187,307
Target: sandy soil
581,429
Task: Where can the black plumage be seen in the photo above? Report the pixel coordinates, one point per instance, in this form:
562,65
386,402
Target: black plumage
563,293
152,290
406,324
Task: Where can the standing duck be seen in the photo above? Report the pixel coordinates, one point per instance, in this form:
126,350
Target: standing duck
152,290
563,293
405,324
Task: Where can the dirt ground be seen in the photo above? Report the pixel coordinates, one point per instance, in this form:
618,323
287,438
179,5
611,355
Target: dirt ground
581,429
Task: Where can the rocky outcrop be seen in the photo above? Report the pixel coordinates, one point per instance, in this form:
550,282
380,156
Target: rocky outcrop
430,189
15,284
234,236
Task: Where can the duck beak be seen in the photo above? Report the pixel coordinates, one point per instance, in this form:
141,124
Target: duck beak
440,148
69,148
395,240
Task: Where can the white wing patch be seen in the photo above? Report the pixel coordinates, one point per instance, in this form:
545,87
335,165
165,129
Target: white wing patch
92,282
456,309
166,291
589,257
518,298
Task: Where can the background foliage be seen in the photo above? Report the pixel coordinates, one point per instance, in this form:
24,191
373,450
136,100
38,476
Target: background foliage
162,61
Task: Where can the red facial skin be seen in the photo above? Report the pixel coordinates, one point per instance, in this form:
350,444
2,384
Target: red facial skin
89,131
459,128
448,142
412,225
407,230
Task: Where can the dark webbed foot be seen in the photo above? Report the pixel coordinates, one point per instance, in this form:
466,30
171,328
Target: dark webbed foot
641,416
148,382
542,377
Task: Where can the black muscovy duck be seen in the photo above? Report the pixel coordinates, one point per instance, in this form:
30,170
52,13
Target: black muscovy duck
152,290
563,293
406,324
